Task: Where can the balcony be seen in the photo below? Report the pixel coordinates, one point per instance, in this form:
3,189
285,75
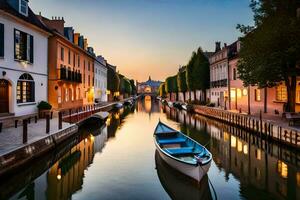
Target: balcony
69,75
219,83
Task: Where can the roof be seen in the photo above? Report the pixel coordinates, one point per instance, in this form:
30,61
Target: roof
31,18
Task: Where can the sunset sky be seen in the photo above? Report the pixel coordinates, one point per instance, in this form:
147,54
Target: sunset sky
150,37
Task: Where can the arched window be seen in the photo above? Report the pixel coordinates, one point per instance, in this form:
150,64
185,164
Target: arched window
25,89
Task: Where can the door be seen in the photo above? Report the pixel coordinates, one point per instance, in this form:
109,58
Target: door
4,106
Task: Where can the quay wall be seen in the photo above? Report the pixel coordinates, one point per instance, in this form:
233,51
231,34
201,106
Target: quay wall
262,127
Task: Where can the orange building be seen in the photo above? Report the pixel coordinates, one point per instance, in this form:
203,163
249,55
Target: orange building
71,67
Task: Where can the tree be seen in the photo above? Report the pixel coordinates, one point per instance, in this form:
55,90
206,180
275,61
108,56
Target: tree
113,81
162,90
171,85
125,86
181,82
133,87
197,72
270,50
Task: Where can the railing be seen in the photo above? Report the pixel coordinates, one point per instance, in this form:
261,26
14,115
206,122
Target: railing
219,83
68,75
262,127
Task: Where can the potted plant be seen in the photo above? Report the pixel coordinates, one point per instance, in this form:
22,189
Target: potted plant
44,107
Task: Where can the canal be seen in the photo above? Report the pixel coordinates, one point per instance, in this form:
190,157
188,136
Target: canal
119,161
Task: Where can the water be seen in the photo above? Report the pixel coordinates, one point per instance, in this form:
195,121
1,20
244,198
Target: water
119,161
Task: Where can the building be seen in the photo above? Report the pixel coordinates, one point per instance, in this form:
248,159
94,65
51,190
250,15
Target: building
219,76
23,58
100,79
253,99
148,86
71,66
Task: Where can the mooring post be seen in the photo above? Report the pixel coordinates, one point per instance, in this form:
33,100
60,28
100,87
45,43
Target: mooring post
260,118
25,130
60,120
1,126
47,123
35,119
16,123
70,115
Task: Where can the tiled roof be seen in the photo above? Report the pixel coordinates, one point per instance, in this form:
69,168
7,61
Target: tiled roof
31,18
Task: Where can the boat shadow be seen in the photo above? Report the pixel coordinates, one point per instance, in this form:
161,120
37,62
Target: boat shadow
179,186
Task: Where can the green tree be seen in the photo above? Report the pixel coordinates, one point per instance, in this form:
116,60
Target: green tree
162,90
270,48
197,72
113,81
133,87
181,82
125,86
171,85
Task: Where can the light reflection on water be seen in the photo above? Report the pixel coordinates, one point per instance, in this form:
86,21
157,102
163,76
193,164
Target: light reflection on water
118,161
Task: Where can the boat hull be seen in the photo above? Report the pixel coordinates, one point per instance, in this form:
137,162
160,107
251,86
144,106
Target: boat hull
194,171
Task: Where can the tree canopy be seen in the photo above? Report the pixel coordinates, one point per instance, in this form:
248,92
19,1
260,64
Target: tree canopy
171,84
133,87
113,81
270,50
162,90
181,81
197,71
125,86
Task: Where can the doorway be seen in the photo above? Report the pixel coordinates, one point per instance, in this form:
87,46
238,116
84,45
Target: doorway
4,96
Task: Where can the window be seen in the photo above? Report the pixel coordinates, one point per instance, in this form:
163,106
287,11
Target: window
298,92
78,63
281,93
23,9
89,66
74,60
89,80
62,53
257,94
1,40
69,57
23,46
25,89
59,95
66,94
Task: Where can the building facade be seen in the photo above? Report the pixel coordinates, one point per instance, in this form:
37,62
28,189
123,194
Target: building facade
219,76
148,86
71,67
100,79
23,59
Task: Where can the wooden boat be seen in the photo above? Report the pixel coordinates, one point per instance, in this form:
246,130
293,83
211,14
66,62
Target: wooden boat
170,104
118,105
128,103
178,185
181,152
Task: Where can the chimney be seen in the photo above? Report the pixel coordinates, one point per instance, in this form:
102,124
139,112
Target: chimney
85,43
56,23
76,38
218,46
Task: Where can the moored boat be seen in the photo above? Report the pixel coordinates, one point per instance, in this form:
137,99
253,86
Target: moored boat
118,105
170,104
181,152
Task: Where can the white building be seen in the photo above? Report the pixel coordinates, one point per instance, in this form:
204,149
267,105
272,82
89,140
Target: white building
219,76
23,58
100,79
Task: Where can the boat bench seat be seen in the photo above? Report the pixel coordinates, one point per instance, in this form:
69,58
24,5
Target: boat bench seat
177,151
171,141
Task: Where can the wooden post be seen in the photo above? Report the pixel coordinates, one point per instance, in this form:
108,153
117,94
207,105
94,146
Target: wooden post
16,123
1,124
47,123
77,114
25,131
260,119
70,115
60,120
35,119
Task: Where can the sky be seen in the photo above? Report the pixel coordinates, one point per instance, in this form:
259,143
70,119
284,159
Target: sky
150,37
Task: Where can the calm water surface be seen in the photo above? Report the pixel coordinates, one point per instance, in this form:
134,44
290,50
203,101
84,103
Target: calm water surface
119,161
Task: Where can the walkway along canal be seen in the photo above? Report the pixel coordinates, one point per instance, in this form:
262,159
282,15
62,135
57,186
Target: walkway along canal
119,161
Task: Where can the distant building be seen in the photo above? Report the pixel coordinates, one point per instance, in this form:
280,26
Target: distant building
149,86
23,59
219,76
100,76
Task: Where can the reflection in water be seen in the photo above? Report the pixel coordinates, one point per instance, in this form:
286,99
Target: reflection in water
117,162
179,186
265,170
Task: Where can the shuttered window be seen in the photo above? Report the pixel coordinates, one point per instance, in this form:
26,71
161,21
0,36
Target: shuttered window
23,46
1,40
